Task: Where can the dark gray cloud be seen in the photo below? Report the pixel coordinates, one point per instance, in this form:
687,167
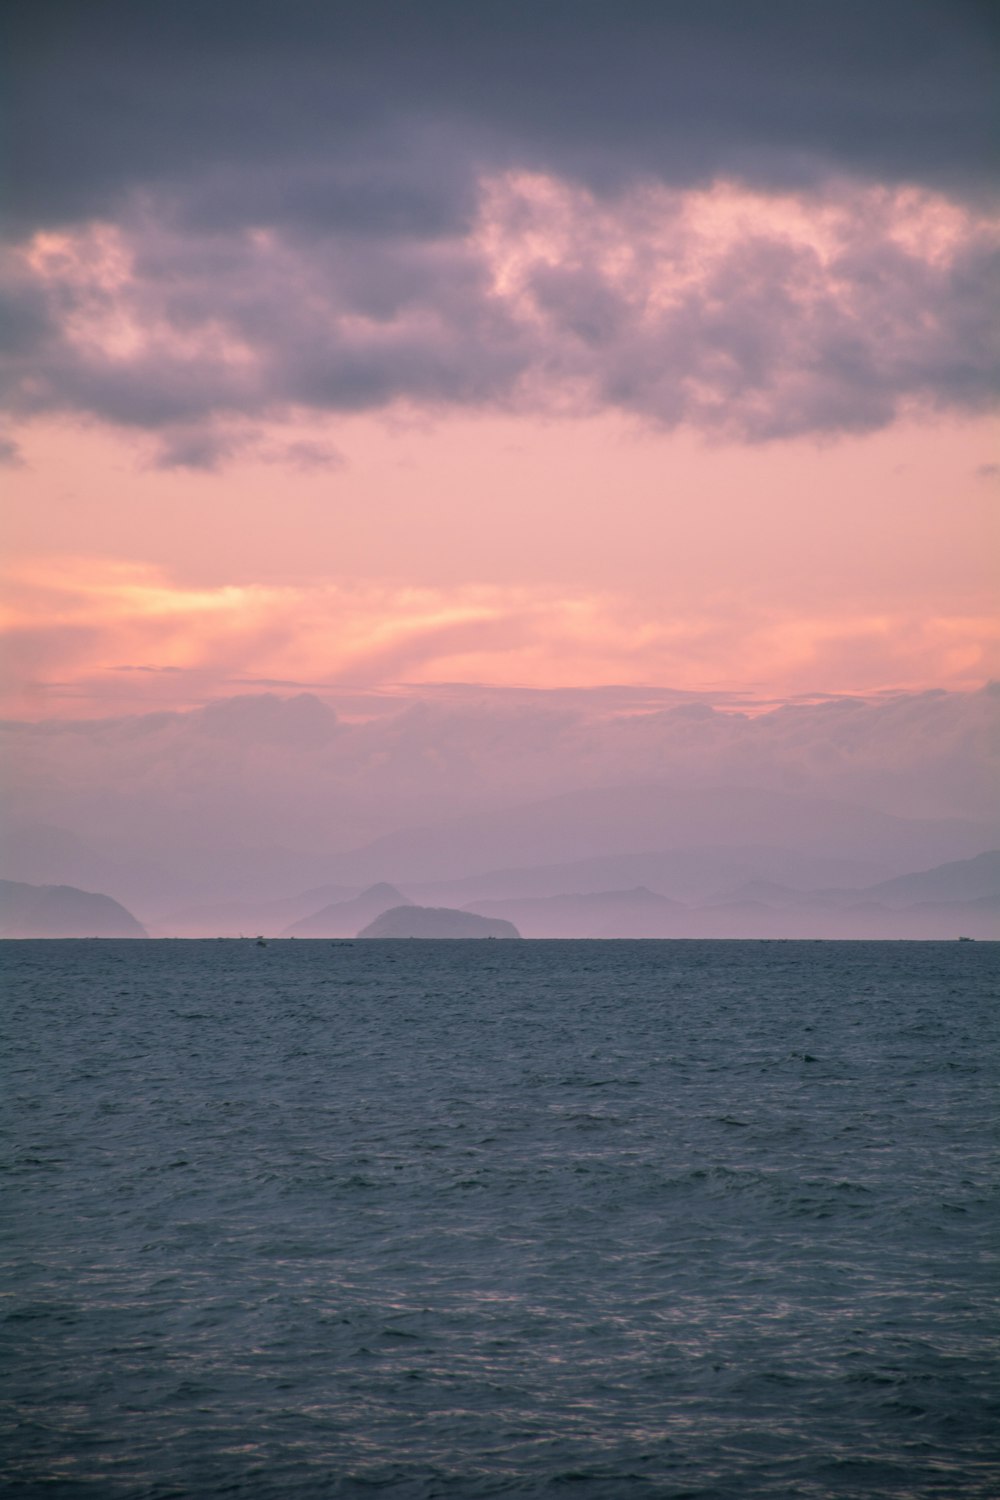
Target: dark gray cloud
758,336
298,186
338,113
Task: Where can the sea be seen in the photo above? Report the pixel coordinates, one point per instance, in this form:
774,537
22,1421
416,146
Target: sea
588,1220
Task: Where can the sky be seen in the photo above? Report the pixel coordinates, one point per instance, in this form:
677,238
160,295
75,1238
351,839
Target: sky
544,348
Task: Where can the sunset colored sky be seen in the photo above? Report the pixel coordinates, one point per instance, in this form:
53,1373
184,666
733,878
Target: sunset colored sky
548,346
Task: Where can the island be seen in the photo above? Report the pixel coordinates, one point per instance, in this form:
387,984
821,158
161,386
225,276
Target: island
436,922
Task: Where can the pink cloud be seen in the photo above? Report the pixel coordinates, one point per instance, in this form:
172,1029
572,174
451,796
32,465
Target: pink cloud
75,628
749,314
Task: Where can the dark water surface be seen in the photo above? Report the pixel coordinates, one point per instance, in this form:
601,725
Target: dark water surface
593,1219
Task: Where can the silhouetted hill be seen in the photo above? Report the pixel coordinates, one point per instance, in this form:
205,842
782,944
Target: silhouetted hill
959,880
62,911
346,918
436,922
945,901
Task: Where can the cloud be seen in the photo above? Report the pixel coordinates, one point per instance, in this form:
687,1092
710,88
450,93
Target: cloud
745,315
71,623
226,214
289,771
374,118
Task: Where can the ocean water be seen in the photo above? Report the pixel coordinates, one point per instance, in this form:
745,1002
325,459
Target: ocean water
585,1219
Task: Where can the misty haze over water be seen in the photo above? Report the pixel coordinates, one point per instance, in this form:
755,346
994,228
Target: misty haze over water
258,812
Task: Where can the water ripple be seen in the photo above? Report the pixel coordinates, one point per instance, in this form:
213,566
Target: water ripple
606,1220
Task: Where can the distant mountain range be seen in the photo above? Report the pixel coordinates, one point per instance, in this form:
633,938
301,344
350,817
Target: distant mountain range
62,911
960,898
638,860
689,875
953,899
959,880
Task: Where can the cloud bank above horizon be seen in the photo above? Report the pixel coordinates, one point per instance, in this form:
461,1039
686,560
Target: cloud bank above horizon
757,221
325,773
740,314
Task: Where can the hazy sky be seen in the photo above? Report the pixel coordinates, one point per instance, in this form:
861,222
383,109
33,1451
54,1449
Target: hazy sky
554,344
